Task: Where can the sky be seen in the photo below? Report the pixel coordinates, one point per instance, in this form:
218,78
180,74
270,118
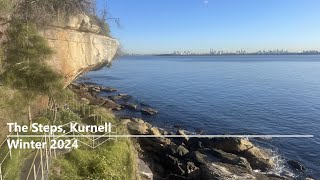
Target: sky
164,26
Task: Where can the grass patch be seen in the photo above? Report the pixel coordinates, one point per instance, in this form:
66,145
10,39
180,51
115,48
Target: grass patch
112,160
11,165
6,6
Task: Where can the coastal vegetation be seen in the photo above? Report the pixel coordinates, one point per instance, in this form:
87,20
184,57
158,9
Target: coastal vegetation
25,77
114,159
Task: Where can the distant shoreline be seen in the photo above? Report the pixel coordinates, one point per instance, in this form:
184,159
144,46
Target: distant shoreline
249,54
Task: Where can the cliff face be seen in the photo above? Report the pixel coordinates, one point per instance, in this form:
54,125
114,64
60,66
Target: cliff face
78,48
77,45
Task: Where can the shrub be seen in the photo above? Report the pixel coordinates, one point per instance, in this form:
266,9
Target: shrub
24,67
42,12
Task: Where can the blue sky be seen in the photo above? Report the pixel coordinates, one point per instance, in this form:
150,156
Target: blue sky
164,26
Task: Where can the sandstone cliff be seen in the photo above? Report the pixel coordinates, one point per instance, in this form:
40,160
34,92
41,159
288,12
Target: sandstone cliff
78,46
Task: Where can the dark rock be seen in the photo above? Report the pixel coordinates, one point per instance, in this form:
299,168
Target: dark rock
124,97
231,159
110,104
223,171
87,95
202,157
97,101
177,177
192,170
130,106
151,145
149,111
96,89
175,150
296,165
108,89
264,176
232,145
258,158
74,86
182,151
144,104
172,163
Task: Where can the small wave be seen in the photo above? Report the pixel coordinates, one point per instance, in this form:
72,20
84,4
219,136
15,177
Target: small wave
280,165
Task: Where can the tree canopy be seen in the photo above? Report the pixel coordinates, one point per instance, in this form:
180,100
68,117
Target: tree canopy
24,66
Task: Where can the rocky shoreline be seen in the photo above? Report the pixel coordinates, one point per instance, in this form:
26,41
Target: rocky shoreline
184,158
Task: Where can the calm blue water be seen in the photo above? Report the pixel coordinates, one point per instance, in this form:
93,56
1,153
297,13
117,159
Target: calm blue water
232,94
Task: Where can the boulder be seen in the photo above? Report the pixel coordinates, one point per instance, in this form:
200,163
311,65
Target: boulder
151,145
154,131
164,141
211,166
178,151
192,170
231,158
97,101
110,104
202,157
233,145
94,89
258,159
182,151
137,128
87,95
223,171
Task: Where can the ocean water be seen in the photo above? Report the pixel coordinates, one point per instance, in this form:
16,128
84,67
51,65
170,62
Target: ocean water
229,95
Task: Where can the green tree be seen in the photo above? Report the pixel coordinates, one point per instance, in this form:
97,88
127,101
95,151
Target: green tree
24,66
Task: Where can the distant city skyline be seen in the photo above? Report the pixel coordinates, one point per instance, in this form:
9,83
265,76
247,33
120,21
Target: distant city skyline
156,27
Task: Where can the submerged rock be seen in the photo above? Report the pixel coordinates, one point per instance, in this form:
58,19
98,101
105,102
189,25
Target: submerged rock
296,165
120,96
108,89
130,106
149,111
